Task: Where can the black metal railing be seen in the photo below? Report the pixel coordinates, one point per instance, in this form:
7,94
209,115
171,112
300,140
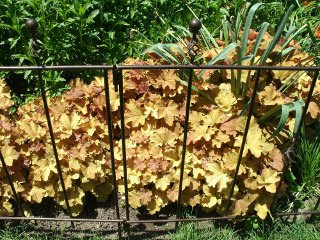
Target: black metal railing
123,225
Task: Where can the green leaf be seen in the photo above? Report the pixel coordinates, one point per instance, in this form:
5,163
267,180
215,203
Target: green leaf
300,30
122,23
285,109
170,53
176,46
247,26
277,36
164,52
197,90
244,42
271,114
263,29
298,105
311,34
222,55
291,30
92,16
286,51
225,33
232,33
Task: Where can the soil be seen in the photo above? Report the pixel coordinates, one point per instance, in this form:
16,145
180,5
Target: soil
106,210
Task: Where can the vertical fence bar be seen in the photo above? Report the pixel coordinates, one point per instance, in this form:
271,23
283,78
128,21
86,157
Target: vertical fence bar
114,178
16,198
305,110
296,139
306,106
245,134
119,79
32,27
194,26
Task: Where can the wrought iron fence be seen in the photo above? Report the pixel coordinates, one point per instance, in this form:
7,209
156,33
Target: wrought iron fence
123,225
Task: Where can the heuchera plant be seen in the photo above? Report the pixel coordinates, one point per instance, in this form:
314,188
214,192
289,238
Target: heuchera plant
154,118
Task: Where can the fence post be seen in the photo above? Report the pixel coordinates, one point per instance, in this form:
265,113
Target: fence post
118,80
245,134
194,26
114,178
305,109
16,198
32,27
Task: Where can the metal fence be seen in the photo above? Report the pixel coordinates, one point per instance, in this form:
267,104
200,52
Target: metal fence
123,225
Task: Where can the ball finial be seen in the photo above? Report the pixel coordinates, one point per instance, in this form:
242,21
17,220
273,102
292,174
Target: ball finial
194,25
32,26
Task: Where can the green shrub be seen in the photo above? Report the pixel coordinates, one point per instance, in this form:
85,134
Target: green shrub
307,161
87,32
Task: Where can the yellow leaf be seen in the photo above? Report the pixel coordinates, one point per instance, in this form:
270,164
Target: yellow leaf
91,171
262,210
225,99
219,178
44,167
268,179
271,96
202,131
314,110
163,136
231,160
145,196
151,109
133,179
195,118
114,99
195,200
74,165
134,115
33,131
198,172
163,183
169,112
36,194
242,205
6,209
219,139
256,141
170,78
213,117
9,155
134,199
212,202
68,123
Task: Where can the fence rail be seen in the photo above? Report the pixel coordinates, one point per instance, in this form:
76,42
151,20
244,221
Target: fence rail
155,67
124,224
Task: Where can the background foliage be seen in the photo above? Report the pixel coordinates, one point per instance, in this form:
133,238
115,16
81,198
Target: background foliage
95,32
87,32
